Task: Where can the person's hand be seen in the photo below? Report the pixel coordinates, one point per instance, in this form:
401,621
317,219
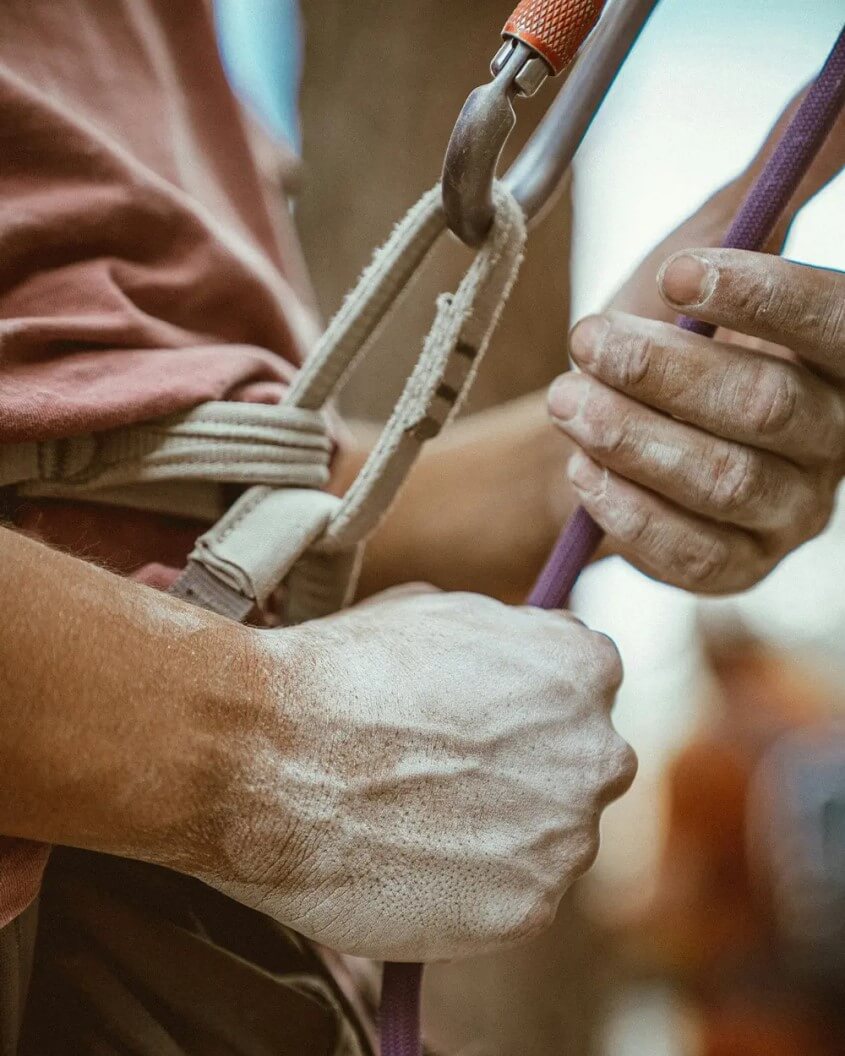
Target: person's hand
428,776
450,525
706,462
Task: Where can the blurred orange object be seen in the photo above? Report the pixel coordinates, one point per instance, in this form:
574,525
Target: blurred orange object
766,1032
712,926
707,908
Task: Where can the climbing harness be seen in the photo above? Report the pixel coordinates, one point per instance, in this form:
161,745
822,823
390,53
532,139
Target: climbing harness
286,538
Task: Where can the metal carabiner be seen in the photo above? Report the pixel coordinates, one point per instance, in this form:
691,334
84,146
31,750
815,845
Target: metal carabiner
541,39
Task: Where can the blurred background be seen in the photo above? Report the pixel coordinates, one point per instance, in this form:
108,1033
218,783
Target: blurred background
714,921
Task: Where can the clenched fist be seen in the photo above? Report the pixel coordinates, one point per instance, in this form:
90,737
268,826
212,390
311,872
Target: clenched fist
706,462
424,776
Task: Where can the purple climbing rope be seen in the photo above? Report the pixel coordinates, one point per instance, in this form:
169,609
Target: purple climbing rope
573,551
752,228
401,994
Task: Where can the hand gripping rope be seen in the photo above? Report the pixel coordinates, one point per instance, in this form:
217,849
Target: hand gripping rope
549,33
751,229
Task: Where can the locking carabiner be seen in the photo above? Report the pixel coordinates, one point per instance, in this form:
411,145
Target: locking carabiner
541,39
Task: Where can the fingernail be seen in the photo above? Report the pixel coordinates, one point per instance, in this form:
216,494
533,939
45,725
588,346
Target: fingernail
564,400
687,280
583,472
586,339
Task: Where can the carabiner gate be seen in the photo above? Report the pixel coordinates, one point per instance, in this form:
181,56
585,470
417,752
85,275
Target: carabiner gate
541,39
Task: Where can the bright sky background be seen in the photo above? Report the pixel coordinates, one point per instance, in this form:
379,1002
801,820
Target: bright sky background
690,108
261,45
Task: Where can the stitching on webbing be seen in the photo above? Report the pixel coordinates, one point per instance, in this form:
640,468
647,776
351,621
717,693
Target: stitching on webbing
155,427
247,510
321,459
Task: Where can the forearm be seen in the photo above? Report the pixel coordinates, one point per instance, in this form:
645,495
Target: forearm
117,705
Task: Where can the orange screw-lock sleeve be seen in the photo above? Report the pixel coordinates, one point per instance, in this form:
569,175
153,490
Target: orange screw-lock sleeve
554,28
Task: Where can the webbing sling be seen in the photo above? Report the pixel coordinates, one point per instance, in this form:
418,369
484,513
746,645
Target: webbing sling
751,229
303,539
181,464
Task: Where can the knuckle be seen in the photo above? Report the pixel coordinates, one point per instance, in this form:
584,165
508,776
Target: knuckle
781,303
771,399
623,767
749,574
605,432
637,364
615,768
608,661
831,326
632,356
532,922
704,568
738,481
761,301
586,850
815,505
465,599
564,616
414,588
632,523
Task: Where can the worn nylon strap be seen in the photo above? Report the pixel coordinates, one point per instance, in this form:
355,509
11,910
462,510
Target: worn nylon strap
215,443
752,228
379,289
445,371
257,543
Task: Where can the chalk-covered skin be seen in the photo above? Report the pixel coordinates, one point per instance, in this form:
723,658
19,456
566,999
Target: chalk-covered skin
434,782
421,776
706,462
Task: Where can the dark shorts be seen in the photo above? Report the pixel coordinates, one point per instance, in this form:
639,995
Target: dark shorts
120,958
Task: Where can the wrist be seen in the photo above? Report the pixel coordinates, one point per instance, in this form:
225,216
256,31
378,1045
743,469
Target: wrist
253,799
196,749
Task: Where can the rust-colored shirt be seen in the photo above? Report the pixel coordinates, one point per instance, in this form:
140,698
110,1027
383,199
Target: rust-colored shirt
141,270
